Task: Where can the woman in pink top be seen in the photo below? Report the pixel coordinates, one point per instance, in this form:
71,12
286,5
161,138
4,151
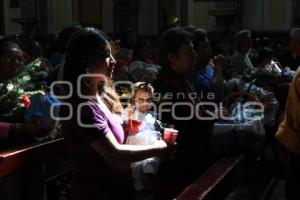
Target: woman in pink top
94,132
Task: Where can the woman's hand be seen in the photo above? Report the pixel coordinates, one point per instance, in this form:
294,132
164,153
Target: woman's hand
160,144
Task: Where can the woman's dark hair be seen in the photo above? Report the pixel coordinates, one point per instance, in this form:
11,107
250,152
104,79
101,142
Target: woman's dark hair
170,42
81,52
64,36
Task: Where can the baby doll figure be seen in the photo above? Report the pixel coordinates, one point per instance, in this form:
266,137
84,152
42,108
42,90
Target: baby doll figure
143,129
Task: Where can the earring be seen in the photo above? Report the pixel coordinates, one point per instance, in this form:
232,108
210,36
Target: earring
87,80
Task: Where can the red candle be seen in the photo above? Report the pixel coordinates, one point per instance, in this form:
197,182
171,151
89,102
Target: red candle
170,135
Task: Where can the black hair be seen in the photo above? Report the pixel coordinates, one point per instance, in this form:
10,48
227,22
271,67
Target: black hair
240,36
64,36
266,42
82,51
199,34
5,45
261,55
170,42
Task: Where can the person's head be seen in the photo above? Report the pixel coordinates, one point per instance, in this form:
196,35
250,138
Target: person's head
266,42
128,39
263,57
89,53
143,94
243,41
48,44
176,50
201,46
64,36
31,48
142,50
295,34
11,59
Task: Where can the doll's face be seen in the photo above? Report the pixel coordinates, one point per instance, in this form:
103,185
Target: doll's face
143,100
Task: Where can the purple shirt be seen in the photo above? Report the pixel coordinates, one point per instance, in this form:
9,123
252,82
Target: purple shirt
101,121
104,120
92,175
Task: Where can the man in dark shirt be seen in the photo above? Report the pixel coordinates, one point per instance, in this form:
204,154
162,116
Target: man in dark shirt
180,107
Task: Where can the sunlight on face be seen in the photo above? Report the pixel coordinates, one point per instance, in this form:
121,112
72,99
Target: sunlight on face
104,65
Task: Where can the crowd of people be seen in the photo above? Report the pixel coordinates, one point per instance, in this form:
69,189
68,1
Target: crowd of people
126,92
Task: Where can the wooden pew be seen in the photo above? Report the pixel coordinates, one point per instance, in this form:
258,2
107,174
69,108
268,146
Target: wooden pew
215,182
17,158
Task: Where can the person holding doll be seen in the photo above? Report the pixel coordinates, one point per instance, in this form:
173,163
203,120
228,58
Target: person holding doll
97,140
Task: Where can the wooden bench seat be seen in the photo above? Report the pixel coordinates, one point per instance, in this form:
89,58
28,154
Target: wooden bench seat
17,158
212,183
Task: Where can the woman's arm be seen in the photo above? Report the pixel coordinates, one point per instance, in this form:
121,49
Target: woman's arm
109,148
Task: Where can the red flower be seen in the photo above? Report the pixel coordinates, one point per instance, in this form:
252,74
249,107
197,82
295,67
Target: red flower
26,101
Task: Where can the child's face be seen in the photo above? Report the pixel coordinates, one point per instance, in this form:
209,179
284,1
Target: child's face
142,100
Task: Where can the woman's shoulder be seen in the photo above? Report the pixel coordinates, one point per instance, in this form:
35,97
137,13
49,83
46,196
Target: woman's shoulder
89,108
